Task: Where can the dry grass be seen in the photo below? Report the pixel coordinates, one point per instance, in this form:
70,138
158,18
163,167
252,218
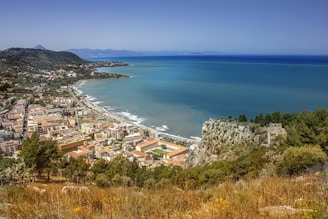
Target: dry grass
294,197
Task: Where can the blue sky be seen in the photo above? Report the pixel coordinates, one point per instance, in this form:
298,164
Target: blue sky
229,26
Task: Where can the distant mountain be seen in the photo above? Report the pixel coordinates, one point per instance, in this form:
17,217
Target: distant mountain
97,53
23,68
40,58
39,47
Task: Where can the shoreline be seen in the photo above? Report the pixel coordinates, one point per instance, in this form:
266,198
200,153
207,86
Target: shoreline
75,93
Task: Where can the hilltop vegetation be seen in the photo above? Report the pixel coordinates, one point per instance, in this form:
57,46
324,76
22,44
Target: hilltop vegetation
39,58
304,128
24,71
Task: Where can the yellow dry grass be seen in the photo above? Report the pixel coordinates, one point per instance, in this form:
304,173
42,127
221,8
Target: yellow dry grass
305,197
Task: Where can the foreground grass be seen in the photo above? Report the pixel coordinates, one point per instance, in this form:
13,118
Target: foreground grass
303,197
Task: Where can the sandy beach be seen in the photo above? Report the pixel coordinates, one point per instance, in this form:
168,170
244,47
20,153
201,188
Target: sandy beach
84,102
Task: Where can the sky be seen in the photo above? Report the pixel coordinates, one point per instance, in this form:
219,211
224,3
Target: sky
227,26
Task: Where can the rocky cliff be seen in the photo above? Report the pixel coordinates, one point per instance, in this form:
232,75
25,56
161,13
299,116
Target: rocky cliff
226,140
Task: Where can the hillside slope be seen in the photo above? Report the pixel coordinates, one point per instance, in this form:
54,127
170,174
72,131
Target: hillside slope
40,58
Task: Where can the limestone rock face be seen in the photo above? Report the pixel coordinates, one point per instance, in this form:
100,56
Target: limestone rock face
220,139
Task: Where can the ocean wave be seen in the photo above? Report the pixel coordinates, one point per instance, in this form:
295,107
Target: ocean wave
196,138
90,98
81,83
109,108
97,102
132,117
162,128
78,86
78,91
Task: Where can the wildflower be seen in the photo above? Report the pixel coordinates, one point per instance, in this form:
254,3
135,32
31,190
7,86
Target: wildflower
220,204
77,209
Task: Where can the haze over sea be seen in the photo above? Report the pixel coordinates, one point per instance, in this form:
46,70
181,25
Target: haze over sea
177,94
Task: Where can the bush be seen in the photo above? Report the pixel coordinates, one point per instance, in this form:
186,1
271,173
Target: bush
216,172
250,165
149,183
122,181
298,160
102,180
187,179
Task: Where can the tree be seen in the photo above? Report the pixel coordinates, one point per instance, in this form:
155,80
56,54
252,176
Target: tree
41,156
242,118
276,117
121,166
267,118
76,168
100,166
259,119
309,128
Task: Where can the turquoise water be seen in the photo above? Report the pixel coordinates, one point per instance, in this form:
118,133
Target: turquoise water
177,94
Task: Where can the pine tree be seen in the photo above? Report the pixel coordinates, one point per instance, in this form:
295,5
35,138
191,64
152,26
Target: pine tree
41,156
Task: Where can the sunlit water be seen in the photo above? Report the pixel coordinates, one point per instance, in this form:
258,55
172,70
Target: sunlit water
177,94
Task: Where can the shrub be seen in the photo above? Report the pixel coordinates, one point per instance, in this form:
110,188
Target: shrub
102,180
187,178
149,183
250,165
216,172
122,180
298,160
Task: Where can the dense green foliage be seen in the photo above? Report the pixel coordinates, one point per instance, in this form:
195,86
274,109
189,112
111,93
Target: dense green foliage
14,172
75,169
41,58
309,128
298,160
302,128
41,156
275,117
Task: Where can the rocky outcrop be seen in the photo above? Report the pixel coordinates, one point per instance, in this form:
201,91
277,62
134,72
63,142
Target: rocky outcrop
222,139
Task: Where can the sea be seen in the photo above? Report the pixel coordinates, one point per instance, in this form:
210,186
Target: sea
177,94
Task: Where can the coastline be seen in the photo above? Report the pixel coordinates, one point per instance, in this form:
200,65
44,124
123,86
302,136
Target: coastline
166,97
82,100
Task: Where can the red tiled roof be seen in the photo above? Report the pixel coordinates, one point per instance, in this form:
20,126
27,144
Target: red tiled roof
178,151
139,153
147,143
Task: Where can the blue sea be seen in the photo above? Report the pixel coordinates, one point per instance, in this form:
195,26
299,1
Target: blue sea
176,94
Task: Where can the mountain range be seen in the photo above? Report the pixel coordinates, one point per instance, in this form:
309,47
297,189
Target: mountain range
85,53
97,53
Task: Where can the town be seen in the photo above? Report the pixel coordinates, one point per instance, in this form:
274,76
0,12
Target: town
80,130
38,95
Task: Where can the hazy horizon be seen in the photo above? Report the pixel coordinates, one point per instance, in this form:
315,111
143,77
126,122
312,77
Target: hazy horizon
178,52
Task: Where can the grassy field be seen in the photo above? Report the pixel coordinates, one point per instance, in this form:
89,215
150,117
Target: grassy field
302,197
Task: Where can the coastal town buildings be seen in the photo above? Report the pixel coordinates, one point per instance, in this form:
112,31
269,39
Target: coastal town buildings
82,131
10,147
166,151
